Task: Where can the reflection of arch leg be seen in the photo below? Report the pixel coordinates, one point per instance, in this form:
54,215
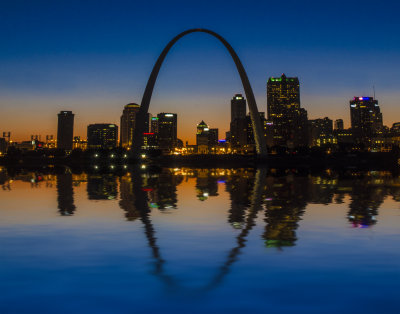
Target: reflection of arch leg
144,107
142,205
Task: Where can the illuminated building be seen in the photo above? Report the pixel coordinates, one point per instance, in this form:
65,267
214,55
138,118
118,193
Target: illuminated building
339,125
102,136
154,125
202,138
321,132
128,124
366,119
250,144
79,143
238,107
150,140
213,137
65,130
237,136
167,131
284,111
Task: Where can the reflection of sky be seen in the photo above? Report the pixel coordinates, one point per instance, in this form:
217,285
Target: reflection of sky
93,57
98,262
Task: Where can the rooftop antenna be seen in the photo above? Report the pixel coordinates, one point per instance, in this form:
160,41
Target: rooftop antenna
373,87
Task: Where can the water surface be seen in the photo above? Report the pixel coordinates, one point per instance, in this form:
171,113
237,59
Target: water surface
199,241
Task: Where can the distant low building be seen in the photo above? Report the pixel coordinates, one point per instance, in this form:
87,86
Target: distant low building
102,136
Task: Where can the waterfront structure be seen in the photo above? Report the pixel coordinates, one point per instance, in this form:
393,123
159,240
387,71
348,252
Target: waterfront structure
167,131
127,126
366,119
144,107
339,125
65,130
321,132
284,111
102,136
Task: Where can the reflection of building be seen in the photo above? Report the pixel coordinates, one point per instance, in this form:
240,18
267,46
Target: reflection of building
167,131
162,190
239,186
102,135
127,126
366,119
102,187
65,130
206,185
286,202
289,120
127,198
65,194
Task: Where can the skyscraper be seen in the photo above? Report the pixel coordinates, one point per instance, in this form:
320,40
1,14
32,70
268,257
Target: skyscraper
128,119
102,136
288,118
238,137
167,131
65,130
366,119
238,107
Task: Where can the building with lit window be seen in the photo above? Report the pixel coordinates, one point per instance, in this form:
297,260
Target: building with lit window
65,130
128,120
321,132
237,134
366,119
167,131
102,136
289,120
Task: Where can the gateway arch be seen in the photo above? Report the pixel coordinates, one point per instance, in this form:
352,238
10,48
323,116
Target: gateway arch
251,101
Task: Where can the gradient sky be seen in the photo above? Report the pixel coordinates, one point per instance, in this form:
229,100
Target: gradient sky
93,57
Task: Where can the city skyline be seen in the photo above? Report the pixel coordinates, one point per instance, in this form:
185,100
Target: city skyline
50,67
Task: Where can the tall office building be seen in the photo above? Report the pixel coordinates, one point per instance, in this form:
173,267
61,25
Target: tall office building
366,119
154,125
238,137
128,120
102,136
288,118
65,130
238,107
167,131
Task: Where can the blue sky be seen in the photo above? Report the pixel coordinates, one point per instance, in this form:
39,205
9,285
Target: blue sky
93,57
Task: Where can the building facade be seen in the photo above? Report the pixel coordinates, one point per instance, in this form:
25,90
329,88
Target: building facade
321,132
102,136
128,120
366,119
289,120
65,130
167,131
237,133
